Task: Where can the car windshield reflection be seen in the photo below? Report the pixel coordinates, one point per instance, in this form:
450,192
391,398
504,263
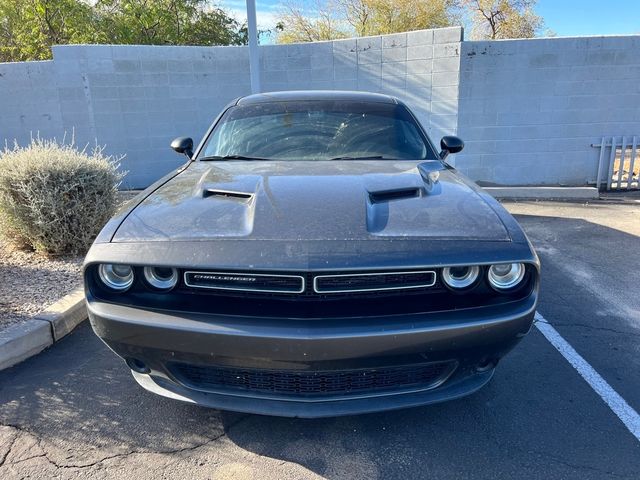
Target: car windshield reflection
317,130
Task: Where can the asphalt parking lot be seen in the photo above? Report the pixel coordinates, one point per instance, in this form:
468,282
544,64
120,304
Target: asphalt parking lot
74,410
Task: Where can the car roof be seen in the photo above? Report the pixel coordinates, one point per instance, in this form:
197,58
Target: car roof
297,95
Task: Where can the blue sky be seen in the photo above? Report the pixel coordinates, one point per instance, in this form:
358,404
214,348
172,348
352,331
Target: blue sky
591,17
565,17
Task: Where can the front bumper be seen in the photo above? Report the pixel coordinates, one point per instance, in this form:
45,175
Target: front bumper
472,341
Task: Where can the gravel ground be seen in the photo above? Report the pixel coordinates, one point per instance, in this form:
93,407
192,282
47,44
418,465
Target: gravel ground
30,282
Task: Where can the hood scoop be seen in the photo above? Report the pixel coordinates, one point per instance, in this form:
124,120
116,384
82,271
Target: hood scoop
395,194
228,194
316,202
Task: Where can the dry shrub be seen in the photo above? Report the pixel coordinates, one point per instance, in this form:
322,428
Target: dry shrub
55,198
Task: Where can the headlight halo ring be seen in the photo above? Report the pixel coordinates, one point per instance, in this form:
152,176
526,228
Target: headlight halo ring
508,280
118,277
461,282
160,281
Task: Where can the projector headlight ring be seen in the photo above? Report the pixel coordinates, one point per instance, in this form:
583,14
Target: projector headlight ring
460,277
161,278
505,276
116,277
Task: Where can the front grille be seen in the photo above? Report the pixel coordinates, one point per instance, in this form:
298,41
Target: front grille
364,282
246,282
347,295
312,383
310,284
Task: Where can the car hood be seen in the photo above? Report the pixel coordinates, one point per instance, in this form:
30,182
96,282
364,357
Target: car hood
328,200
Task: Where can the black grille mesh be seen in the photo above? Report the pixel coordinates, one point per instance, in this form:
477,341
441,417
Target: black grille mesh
346,283
311,383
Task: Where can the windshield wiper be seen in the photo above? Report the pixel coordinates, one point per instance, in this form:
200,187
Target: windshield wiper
243,157
231,157
370,157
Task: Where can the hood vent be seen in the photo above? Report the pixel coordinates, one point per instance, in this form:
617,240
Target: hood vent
210,192
397,194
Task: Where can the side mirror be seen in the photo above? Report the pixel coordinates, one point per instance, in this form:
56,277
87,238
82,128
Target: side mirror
450,144
183,145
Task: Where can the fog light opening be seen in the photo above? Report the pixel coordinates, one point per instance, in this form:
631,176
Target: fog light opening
486,365
137,365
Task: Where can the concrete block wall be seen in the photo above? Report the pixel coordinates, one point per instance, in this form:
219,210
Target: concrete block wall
136,99
530,109
29,102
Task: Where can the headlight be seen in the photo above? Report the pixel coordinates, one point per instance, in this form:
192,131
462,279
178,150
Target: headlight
505,276
460,277
162,278
116,277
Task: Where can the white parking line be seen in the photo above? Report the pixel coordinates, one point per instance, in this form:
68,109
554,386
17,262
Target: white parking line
616,403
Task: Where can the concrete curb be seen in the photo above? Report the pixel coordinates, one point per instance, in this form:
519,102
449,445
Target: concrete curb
545,193
26,339
23,340
65,314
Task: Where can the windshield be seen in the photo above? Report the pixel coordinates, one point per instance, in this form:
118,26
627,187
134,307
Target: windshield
317,130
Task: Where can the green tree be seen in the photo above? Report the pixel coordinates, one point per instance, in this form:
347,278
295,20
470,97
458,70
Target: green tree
28,28
168,22
380,17
330,19
216,27
496,19
300,23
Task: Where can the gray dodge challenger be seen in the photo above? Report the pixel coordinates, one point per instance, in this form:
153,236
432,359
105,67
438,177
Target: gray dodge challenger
315,256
